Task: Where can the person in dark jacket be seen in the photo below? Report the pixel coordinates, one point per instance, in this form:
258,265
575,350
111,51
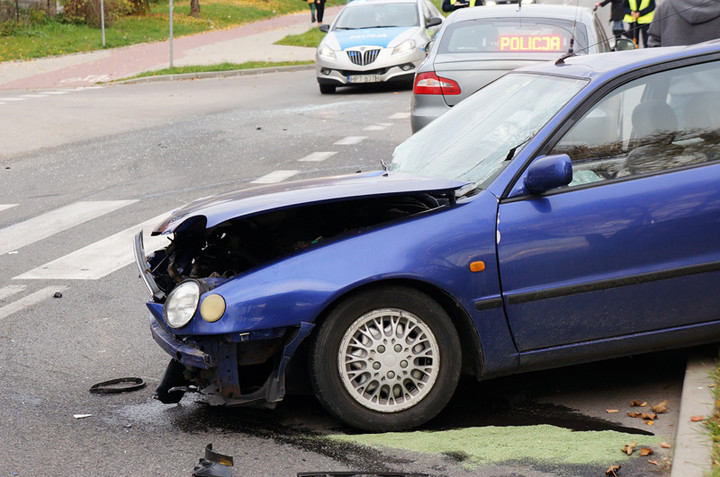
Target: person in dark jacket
685,22
320,7
617,13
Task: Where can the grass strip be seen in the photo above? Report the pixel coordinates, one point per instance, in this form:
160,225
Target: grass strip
219,67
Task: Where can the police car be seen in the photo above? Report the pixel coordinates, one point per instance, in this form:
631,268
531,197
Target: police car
375,41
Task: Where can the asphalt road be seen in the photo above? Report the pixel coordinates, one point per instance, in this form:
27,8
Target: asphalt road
136,152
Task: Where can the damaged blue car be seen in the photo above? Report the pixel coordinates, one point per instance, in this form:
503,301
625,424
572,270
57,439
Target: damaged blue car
565,213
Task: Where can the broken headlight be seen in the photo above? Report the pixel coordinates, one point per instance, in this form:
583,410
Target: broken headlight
182,303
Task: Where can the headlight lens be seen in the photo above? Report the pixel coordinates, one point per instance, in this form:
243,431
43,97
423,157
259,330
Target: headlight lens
182,304
326,52
404,47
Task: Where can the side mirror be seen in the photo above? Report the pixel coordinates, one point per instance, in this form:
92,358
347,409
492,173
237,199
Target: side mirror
433,21
623,44
545,173
324,28
548,172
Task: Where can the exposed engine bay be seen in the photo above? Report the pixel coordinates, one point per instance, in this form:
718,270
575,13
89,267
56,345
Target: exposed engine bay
234,246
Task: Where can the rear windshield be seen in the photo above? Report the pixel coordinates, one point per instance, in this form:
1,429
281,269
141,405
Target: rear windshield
528,35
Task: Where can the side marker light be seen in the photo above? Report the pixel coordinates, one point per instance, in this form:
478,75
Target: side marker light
478,266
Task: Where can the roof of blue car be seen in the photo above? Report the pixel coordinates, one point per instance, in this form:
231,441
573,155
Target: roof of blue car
608,65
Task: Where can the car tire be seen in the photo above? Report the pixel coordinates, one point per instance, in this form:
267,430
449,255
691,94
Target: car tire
386,359
327,88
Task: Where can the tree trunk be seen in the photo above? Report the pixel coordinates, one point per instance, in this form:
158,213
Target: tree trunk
194,8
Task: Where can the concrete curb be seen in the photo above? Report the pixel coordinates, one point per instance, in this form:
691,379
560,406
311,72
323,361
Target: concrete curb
693,444
216,74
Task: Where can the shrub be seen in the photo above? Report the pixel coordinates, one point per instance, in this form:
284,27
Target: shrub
88,11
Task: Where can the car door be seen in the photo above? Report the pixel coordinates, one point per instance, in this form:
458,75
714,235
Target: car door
632,245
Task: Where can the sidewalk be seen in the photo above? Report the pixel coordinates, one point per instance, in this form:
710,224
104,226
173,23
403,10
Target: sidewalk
251,42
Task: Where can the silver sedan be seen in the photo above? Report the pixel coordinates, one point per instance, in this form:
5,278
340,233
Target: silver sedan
477,45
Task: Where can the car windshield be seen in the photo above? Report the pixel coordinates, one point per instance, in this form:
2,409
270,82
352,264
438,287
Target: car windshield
475,139
530,35
378,15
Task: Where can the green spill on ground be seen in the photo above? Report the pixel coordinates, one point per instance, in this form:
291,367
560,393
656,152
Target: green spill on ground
495,445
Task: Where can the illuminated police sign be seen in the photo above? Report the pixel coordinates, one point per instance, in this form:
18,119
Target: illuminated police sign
531,43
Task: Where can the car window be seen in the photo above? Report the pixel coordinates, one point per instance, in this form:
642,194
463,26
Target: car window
432,10
425,11
378,16
475,139
511,36
656,123
602,42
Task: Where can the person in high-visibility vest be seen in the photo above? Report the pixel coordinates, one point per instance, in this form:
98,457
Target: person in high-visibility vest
452,5
639,18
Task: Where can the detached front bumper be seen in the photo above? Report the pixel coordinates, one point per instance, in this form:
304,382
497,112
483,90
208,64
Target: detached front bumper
225,368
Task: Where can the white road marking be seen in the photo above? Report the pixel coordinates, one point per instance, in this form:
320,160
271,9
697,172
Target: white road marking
33,96
386,124
7,206
56,92
43,226
13,99
317,156
30,300
350,140
10,290
400,116
87,79
275,176
374,128
100,258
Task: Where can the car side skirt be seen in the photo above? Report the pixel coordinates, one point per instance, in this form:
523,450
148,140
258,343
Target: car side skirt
578,353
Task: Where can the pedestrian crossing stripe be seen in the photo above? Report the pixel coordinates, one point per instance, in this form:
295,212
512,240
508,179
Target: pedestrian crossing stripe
100,258
11,290
30,300
6,206
43,226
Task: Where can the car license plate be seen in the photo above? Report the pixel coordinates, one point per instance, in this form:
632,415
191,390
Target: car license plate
363,79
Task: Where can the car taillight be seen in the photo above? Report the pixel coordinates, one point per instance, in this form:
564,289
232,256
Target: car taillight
430,83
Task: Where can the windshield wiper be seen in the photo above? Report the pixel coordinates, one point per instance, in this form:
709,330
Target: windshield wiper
511,152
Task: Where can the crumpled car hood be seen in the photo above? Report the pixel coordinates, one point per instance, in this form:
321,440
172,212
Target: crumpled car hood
219,208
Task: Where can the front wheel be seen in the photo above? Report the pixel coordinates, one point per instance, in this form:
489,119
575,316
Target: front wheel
386,360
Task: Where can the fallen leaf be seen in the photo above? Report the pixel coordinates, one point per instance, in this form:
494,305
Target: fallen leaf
653,462
697,418
610,411
638,404
612,470
659,408
643,415
628,448
664,445
646,452
649,422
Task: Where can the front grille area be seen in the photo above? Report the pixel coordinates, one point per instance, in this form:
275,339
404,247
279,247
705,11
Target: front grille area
362,58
